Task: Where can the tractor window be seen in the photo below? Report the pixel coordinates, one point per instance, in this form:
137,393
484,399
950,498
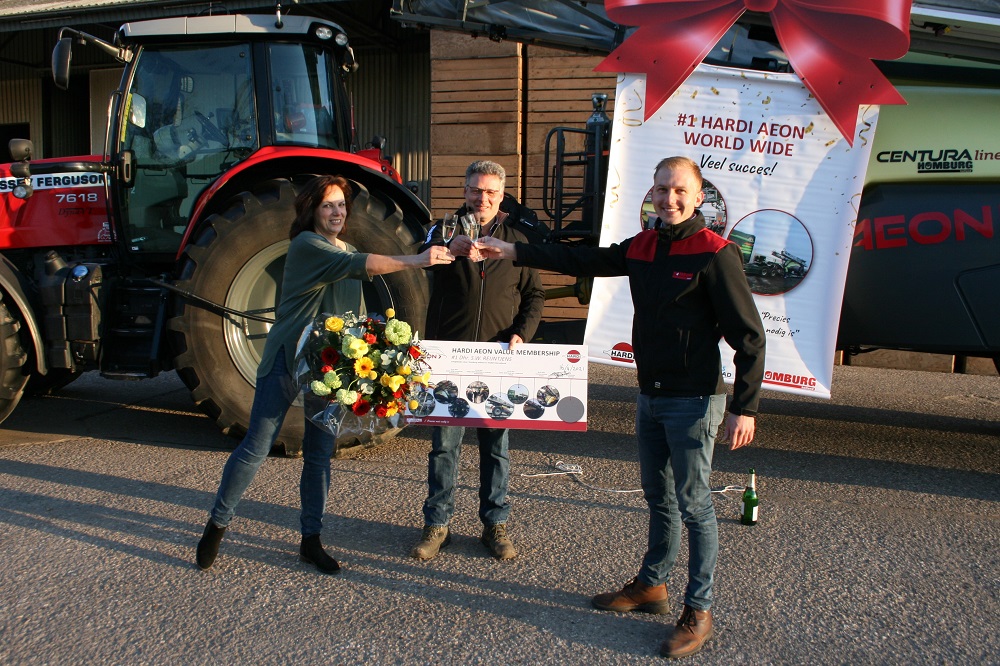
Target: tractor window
189,116
303,85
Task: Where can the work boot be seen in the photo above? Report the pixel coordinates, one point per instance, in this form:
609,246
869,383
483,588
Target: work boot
497,542
691,633
635,596
311,552
432,539
208,546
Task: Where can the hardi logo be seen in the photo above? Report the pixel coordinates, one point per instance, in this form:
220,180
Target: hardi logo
622,352
573,356
787,379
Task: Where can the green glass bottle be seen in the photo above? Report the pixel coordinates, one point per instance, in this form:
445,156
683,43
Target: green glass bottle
748,510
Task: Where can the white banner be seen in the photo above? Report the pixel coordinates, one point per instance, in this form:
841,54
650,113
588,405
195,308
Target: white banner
780,181
485,385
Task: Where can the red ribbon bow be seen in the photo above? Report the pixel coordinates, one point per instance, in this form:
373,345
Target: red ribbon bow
829,43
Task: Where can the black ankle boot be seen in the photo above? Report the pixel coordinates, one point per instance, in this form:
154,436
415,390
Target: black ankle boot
208,547
311,551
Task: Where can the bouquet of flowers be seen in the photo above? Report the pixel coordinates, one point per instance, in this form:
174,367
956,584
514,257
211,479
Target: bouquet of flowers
363,370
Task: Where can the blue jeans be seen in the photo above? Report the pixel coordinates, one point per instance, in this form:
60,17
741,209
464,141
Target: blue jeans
676,440
442,475
275,393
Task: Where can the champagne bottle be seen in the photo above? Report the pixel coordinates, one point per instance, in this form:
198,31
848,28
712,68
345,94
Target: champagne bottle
748,509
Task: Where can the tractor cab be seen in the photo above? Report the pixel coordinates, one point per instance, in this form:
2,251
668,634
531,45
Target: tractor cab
200,95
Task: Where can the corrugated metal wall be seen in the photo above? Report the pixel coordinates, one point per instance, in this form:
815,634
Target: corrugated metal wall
21,102
103,82
27,94
391,93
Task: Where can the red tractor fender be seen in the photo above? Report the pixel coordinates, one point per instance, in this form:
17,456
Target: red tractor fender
271,154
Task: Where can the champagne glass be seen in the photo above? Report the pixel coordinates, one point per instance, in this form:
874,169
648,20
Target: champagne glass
471,226
472,229
448,227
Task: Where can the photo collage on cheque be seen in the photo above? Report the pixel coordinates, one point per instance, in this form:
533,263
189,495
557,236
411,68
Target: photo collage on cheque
479,398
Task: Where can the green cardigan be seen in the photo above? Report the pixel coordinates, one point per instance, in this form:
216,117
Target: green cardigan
319,277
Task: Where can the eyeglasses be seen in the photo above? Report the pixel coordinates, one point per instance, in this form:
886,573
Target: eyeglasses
475,191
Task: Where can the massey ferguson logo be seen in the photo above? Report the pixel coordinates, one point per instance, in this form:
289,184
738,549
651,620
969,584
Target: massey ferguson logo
794,381
621,352
573,356
56,181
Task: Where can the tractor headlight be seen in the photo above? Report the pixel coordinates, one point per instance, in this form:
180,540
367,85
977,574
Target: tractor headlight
323,32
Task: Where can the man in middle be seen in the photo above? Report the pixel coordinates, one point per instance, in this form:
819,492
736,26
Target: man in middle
477,300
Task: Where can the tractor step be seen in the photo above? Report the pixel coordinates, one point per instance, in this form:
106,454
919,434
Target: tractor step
131,348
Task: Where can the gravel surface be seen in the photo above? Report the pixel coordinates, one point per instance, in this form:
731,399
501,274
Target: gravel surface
877,543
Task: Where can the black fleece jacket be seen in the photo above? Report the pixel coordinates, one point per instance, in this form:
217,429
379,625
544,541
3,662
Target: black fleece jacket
486,301
689,290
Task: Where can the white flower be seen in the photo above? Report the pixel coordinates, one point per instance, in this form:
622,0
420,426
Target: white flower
319,388
346,397
332,379
398,332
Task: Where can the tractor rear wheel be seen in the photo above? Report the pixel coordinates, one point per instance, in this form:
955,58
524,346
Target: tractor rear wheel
238,261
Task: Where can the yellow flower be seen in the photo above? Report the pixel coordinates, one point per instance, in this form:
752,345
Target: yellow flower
391,409
404,370
334,324
413,405
363,366
373,375
390,313
392,382
353,347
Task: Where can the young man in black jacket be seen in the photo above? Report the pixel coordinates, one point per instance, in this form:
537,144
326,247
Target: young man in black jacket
478,299
688,289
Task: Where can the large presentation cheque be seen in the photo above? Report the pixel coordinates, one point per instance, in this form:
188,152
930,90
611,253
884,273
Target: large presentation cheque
485,385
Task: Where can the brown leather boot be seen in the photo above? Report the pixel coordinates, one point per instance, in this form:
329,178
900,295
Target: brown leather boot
498,542
635,596
690,635
432,540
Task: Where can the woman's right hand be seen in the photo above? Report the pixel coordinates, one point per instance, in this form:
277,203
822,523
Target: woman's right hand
434,255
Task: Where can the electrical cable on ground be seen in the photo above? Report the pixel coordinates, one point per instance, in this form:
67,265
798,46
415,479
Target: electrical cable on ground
570,469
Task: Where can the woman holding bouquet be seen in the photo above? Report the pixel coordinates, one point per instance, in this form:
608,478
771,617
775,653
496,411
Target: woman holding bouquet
322,274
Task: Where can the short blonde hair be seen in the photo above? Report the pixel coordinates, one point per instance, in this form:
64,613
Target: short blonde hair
678,162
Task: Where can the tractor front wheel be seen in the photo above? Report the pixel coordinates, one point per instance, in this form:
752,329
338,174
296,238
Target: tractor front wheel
12,360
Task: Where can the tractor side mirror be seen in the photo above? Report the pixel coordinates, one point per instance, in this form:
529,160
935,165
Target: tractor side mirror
137,110
62,54
20,149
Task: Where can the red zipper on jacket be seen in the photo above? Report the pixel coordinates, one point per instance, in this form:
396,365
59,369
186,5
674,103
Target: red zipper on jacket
482,286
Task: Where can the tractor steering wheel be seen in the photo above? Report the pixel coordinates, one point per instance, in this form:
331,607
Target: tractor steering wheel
209,129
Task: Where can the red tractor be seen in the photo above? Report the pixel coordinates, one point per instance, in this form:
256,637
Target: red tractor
167,251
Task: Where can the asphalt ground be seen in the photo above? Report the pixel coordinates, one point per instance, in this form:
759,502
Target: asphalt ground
877,541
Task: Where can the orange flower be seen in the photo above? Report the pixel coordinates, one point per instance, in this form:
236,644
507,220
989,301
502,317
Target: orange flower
363,366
